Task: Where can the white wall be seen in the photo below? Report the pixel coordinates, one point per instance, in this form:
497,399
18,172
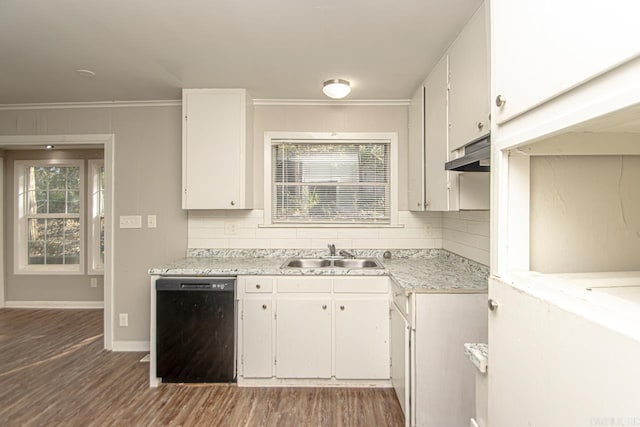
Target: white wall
466,233
585,213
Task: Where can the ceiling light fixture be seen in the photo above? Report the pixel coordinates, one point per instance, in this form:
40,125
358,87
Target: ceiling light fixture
49,147
336,88
86,73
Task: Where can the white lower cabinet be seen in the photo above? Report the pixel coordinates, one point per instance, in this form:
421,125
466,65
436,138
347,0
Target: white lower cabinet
303,338
361,337
306,328
441,380
257,338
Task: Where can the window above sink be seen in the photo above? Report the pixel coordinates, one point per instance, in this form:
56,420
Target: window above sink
330,179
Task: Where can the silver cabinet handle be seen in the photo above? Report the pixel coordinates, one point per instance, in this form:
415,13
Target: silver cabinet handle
324,306
500,101
342,307
257,286
264,306
480,125
493,306
233,203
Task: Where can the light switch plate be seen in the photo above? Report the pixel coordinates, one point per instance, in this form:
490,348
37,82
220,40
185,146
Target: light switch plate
131,221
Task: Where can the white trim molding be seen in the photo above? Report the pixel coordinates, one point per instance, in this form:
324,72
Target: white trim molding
80,305
96,104
178,103
344,102
131,346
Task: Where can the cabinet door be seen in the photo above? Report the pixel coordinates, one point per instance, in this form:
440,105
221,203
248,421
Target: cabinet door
213,169
443,376
303,338
361,338
440,185
257,338
416,151
542,49
469,83
400,372
550,367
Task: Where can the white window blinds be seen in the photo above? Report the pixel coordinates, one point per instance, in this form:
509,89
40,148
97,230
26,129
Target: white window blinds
330,182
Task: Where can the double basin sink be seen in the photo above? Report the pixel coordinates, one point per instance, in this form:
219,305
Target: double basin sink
331,263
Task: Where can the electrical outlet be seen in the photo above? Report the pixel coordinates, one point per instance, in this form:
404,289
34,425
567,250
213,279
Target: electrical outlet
93,282
131,221
151,221
428,230
230,228
124,319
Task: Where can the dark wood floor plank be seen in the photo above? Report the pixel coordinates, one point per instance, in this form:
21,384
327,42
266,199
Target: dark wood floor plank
54,372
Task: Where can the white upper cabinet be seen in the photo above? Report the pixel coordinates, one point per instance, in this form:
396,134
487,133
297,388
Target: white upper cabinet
217,133
545,48
469,105
440,184
416,151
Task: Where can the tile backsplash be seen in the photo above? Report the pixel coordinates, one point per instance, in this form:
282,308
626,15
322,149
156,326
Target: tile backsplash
464,233
243,229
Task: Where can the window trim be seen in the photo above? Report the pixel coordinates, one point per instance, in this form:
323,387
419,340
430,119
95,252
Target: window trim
20,256
94,267
390,137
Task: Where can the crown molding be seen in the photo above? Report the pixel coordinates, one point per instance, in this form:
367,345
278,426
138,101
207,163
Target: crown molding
344,102
178,103
96,104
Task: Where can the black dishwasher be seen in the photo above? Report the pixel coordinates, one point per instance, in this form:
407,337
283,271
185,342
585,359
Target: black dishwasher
195,329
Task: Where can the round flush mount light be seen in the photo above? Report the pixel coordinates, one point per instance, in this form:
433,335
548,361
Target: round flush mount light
336,88
49,147
86,73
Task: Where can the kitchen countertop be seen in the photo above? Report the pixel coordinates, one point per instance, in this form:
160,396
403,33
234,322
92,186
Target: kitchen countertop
478,354
430,270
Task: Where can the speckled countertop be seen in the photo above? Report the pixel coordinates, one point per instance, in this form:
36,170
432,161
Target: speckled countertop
427,270
478,354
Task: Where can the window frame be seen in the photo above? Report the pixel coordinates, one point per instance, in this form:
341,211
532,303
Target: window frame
20,238
94,266
346,137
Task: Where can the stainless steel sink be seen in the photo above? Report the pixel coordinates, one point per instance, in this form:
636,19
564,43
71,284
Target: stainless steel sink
357,263
307,263
331,263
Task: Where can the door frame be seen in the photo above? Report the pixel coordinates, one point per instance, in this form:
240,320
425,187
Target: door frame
107,141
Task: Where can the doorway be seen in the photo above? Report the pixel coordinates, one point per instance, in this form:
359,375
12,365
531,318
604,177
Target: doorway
104,141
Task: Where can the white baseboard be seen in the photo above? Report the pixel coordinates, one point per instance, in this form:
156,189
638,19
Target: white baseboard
54,304
131,346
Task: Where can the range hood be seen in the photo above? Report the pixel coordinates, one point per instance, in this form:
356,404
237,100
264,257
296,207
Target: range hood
476,158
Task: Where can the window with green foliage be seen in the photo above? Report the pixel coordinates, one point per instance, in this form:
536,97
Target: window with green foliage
50,209
330,182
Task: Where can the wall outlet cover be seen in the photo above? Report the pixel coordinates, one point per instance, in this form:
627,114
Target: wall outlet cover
151,221
124,319
230,228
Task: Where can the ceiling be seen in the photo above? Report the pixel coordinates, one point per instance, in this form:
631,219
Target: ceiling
277,49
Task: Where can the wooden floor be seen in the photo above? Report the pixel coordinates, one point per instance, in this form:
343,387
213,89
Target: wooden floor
53,371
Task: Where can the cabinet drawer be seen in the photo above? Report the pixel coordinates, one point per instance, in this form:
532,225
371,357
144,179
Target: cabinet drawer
258,285
368,284
302,284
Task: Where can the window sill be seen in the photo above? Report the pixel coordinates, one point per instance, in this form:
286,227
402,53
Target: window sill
48,271
304,225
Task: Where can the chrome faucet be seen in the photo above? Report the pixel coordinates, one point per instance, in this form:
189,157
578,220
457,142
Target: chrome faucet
346,254
332,249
